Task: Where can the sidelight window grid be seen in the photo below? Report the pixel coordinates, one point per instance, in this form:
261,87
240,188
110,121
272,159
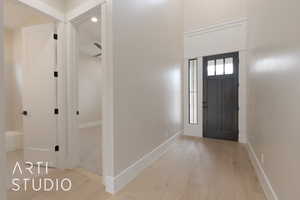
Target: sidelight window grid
193,91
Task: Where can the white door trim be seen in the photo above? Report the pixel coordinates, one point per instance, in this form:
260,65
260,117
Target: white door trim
61,95
72,90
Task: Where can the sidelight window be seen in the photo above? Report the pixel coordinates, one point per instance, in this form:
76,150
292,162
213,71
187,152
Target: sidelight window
193,91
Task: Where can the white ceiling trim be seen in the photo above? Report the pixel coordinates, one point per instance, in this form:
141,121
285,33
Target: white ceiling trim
45,8
83,8
216,27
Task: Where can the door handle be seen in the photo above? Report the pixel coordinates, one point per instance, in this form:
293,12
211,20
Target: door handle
25,113
205,105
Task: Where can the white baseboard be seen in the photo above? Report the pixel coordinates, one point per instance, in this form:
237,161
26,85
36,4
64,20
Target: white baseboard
262,177
13,141
243,138
90,124
197,134
109,184
115,184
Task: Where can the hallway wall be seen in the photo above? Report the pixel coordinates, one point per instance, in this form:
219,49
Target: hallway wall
8,70
3,172
274,93
202,13
90,71
13,80
147,65
90,89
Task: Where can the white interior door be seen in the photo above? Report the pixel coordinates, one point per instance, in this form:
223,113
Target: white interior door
40,94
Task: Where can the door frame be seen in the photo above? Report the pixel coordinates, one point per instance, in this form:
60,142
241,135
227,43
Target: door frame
235,56
73,18
197,130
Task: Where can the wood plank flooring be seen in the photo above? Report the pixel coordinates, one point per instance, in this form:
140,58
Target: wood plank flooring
193,169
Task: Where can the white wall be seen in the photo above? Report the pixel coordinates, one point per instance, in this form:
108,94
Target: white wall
90,70
90,89
215,39
3,171
13,80
147,64
274,93
202,13
8,67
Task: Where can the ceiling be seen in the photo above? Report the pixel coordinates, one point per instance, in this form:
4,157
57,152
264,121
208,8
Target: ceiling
17,15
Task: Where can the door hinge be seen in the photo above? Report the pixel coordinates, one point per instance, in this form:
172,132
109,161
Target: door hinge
56,111
56,148
55,36
55,74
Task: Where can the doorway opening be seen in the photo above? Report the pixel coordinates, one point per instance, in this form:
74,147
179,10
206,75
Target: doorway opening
85,91
89,90
221,96
31,121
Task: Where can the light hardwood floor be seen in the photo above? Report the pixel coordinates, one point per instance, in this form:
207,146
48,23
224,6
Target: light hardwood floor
193,169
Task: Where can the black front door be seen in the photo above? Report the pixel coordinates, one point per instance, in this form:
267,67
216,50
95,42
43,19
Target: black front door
220,96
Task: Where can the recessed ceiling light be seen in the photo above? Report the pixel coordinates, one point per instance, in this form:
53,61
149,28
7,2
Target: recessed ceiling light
94,19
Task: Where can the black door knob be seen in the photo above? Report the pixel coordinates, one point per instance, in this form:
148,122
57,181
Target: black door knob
25,113
205,104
